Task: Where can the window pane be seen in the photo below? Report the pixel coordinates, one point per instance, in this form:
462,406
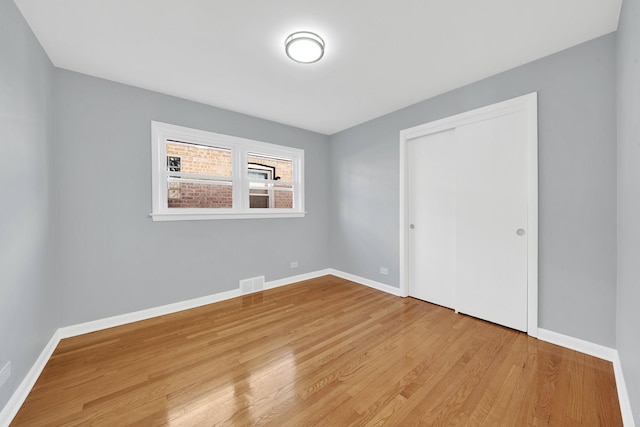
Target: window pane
199,159
283,197
253,174
187,194
269,195
257,200
267,167
259,195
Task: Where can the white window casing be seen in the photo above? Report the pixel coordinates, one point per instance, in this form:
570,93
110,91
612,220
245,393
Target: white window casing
240,149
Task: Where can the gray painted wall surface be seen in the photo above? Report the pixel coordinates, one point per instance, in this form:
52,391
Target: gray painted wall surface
628,332
577,179
113,258
28,295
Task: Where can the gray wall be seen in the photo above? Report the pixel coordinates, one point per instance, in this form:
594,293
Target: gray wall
577,179
113,258
629,199
28,294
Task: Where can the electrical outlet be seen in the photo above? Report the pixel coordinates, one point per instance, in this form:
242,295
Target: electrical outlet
384,270
5,373
294,264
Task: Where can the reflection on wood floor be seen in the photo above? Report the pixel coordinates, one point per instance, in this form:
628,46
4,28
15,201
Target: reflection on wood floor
321,352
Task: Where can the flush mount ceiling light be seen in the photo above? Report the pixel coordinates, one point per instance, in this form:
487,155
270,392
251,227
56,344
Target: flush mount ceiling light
304,47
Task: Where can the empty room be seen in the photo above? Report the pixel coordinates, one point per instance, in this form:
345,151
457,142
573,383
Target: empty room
298,213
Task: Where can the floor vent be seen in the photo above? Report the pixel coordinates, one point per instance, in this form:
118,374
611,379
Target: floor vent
252,285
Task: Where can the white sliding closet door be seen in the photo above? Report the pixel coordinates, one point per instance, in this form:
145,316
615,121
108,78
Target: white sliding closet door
432,206
469,218
491,220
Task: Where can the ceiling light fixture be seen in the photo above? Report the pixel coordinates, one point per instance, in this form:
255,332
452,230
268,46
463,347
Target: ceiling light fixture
304,47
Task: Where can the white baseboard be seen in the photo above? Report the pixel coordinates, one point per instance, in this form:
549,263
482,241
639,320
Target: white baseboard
600,352
595,350
623,395
136,316
20,395
298,278
367,282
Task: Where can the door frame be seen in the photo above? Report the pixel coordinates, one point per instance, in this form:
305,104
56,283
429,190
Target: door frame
525,103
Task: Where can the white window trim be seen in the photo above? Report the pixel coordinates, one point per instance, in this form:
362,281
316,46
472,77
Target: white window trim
161,132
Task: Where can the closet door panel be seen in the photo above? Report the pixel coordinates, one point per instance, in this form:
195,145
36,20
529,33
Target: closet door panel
491,219
432,214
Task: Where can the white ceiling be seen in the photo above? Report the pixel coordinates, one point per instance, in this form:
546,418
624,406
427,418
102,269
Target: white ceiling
381,55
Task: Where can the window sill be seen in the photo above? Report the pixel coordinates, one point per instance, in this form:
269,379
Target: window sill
208,216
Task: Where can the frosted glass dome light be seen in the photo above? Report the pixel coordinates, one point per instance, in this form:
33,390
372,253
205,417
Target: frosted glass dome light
304,47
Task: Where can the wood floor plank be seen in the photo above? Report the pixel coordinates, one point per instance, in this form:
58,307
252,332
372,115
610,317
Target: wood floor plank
321,352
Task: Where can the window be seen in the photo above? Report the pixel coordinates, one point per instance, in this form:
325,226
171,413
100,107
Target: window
204,175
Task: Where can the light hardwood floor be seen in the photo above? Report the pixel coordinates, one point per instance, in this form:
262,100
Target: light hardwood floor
322,352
